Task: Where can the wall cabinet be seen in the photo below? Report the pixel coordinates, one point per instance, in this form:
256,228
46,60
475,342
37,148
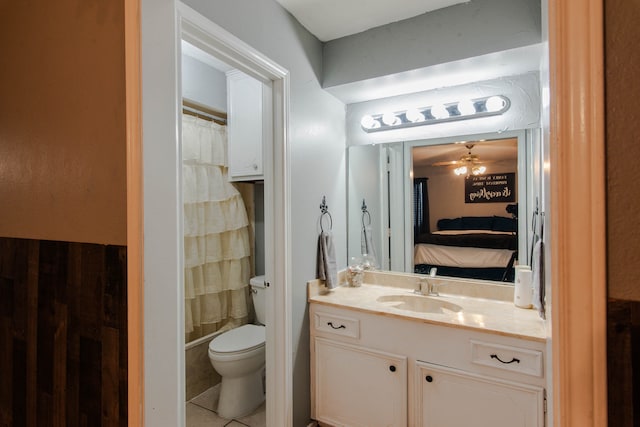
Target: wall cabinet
249,109
373,370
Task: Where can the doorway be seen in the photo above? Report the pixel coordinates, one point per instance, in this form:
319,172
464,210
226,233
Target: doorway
164,334
270,253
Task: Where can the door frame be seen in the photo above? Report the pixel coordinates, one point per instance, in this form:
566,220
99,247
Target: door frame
578,204
213,39
156,296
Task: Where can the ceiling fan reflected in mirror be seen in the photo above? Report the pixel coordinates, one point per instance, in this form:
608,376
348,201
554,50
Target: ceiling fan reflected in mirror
468,164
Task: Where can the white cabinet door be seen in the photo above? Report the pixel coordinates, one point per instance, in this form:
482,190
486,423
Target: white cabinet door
448,397
358,387
247,102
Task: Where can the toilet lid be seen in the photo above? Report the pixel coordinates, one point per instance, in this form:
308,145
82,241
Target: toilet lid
243,338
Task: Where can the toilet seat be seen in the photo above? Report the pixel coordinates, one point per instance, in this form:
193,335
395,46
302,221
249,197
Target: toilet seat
239,340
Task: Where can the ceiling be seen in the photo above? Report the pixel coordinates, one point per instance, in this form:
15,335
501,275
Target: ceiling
332,19
488,151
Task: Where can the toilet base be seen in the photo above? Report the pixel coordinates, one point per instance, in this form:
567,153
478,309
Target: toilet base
240,396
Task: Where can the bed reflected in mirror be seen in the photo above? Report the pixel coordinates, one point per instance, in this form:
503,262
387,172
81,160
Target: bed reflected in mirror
465,210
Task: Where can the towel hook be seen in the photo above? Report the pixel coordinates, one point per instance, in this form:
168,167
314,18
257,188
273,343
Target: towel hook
365,211
325,211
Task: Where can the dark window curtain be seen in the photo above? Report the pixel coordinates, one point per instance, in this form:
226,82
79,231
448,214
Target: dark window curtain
420,207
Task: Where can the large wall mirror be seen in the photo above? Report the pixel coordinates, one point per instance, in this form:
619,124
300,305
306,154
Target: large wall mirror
423,209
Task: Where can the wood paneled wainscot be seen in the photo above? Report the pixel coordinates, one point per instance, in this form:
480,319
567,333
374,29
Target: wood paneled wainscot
400,368
63,334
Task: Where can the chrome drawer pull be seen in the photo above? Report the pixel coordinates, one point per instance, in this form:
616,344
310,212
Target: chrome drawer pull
495,356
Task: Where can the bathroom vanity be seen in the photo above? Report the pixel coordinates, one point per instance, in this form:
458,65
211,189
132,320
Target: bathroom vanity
382,355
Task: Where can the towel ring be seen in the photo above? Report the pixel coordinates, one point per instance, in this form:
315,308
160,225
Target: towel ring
325,211
330,221
365,211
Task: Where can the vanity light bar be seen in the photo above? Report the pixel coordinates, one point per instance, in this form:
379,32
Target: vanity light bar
439,113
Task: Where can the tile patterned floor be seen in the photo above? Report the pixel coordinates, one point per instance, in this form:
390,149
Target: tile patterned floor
201,413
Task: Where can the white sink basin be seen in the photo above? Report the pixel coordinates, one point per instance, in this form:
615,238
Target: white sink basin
418,303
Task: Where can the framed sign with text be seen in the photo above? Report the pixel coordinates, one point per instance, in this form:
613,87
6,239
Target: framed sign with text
490,188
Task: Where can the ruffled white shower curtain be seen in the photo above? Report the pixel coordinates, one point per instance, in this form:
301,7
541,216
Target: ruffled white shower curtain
216,234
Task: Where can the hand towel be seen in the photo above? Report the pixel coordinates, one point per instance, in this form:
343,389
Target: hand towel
366,242
538,277
327,269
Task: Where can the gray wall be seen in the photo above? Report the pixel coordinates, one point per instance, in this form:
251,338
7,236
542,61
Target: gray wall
317,132
462,31
204,84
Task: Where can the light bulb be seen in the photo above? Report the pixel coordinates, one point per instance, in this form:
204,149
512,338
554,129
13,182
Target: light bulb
460,171
390,119
368,122
439,111
414,115
478,170
466,107
495,103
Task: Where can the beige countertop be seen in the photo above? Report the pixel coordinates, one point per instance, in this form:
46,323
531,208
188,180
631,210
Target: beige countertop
494,314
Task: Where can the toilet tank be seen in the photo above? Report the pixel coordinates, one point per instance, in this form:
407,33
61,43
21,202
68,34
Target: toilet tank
258,294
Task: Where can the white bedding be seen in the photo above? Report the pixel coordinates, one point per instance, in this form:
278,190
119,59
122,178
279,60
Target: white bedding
456,256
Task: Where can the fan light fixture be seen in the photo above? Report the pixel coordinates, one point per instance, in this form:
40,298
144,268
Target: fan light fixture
438,113
473,170
468,165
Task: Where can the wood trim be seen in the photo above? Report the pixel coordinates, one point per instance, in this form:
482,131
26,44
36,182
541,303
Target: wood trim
578,213
62,333
135,260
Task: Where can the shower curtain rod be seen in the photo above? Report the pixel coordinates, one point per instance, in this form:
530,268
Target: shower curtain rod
195,109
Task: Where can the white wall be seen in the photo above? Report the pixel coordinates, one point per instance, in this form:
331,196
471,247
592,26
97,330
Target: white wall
204,84
317,138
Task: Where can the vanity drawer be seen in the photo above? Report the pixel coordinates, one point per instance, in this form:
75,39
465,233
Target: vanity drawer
513,359
337,325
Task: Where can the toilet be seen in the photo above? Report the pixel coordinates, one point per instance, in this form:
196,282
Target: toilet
238,356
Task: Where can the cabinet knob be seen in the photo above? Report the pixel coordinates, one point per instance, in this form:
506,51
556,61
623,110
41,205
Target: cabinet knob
429,378
255,167
392,368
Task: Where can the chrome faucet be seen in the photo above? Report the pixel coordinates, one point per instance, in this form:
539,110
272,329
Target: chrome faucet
426,286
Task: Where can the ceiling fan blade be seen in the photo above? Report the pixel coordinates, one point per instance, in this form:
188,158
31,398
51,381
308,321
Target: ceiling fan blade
450,163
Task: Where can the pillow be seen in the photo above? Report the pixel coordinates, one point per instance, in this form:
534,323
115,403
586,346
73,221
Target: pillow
477,222
450,224
501,223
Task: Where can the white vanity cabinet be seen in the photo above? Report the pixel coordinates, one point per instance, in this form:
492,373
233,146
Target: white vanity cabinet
355,385
359,386
448,397
442,376
248,106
